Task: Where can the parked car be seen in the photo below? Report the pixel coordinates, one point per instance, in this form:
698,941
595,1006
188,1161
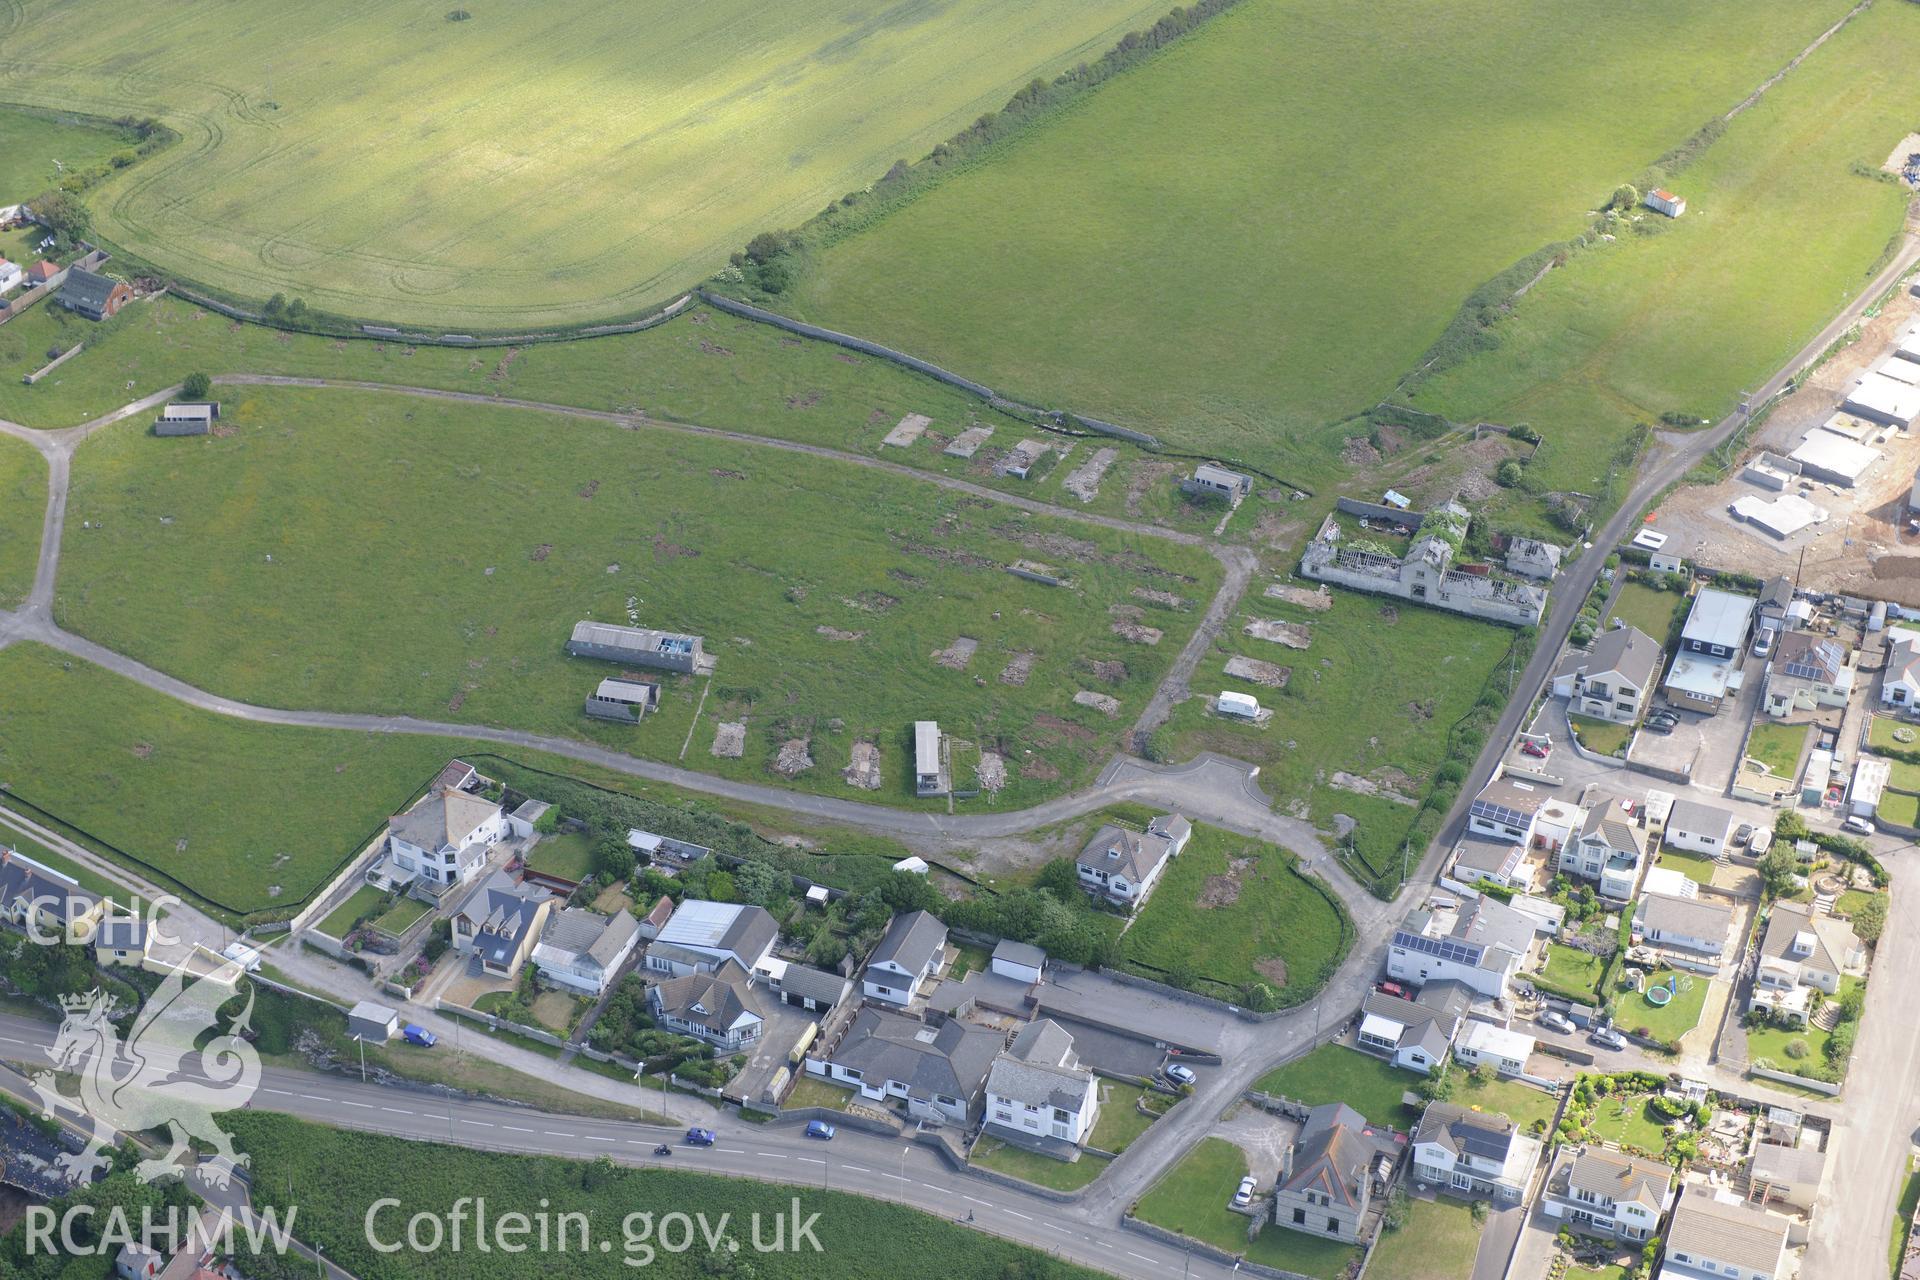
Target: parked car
1554,1020
1534,749
417,1034
1743,834
820,1129
1858,825
1391,989
1761,842
1606,1038
1763,642
1661,727
699,1137
1244,1196
1663,717
1179,1074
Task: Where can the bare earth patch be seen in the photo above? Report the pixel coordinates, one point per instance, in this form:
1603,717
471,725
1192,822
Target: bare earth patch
730,739
1111,672
1083,482
794,758
1294,635
1136,633
1224,891
1319,600
991,773
1368,787
1166,598
1098,701
1018,669
968,442
1270,674
957,655
907,430
1273,969
835,633
863,770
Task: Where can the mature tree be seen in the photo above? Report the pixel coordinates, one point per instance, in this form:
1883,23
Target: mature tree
1778,867
760,883
1871,919
195,386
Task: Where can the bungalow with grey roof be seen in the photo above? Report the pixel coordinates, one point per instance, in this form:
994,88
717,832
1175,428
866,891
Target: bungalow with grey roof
937,1072
33,892
716,1006
1122,866
1714,1239
1699,828
1693,926
95,296
582,950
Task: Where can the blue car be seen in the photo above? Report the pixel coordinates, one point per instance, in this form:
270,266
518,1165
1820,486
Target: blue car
417,1034
699,1137
820,1129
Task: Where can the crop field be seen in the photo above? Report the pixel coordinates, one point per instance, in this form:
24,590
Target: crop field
1232,911
1135,257
399,556
31,142
706,367
1779,233
337,1176
255,816
23,505
534,164
1362,722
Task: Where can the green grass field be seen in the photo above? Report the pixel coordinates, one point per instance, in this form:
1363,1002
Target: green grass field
1632,1009
401,916
254,816
1437,1242
1777,746
363,903
1778,234
1652,611
1372,696
1530,1108
502,528
23,505
1120,1121
1427,146
568,855
1334,1073
1234,911
1192,1199
31,141
527,166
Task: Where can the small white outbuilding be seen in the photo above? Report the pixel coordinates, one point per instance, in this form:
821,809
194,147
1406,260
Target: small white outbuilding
1240,705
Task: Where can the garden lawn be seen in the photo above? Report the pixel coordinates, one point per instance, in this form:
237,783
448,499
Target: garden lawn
1787,219
1694,866
1232,911
364,902
1899,808
1029,1166
811,1092
337,1176
1192,1197
971,959
1639,605
1302,1254
1372,696
1438,1241
1903,1217
516,170
1521,1103
1881,731
31,142
1602,1273
1229,312
1572,973
1904,776
1777,746
1771,1044
1335,1073
1120,1121
23,505
247,816
805,576
1632,1009
1628,1122
401,916
567,854
1602,736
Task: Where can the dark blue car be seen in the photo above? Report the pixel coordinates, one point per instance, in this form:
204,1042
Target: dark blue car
820,1129
699,1137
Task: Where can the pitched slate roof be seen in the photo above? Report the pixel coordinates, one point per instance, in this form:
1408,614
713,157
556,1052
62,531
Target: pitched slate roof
445,818
26,881
1133,854
1460,1131
813,984
1699,818
1605,823
1790,919
1040,1069
86,291
1726,1232
911,942
717,1001
588,934
1021,953
952,1059
1685,917
1331,1155
1627,650
501,911
1619,1177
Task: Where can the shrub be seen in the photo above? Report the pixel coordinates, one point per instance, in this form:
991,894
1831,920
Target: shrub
1796,1048
195,386
1509,474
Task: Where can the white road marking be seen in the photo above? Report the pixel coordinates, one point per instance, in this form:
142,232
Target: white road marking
348,1102
314,1097
1143,1257
929,1186
399,1111
732,1151
484,1124
808,1160
988,1203
855,1168
896,1177
596,1138
277,1092
770,1155
556,1133
1016,1213
516,1128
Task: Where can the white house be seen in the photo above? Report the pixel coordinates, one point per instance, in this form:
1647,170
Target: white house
1609,1193
1900,687
1021,961
1481,946
1608,850
1531,558
1808,672
1692,925
1611,679
1211,480
1474,1155
1413,1035
1122,866
1504,809
906,957
1802,952
1501,1048
716,1006
581,950
701,935
10,276
1496,861
1660,200
1699,828
1038,1094
1714,1239
938,1072
444,839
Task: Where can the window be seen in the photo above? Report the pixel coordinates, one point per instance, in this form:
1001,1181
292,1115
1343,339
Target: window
1299,1217
1333,1225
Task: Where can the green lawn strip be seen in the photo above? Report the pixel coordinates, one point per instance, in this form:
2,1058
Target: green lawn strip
535,527
1335,1073
1632,1009
1119,1121
401,916
1438,1241
1601,736
1694,866
971,959
1900,808
1232,911
568,855
1303,1254
1651,611
1904,776
1596,1273
23,505
1192,1197
1903,1217
1777,746
364,902
32,141
365,214
1331,314
1883,734
1786,220
1373,695
810,1092
1627,1121
1029,1166
336,1177
1850,902
1572,973
1530,1108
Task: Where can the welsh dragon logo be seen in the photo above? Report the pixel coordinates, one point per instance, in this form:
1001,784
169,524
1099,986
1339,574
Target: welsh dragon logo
159,1075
